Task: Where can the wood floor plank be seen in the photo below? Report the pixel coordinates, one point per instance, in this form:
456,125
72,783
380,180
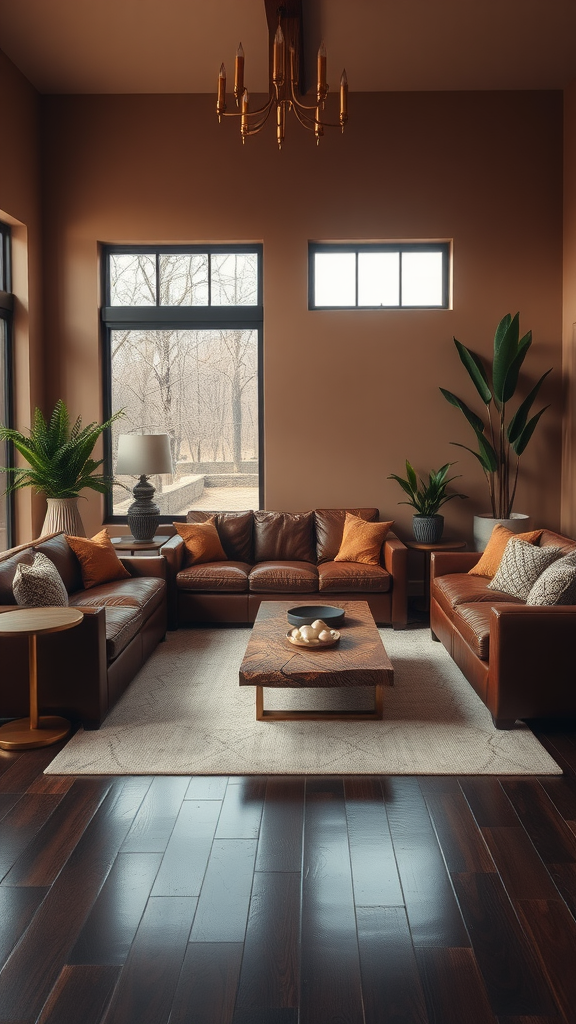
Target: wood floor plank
330,966
519,865
548,831
51,784
269,979
453,987
17,908
530,1020
512,974
184,863
562,792
280,841
207,787
155,820
488,802
374,872
80,994
46,854
206,991
26,767
433,913
553,932
225,895
37,960
460,838
113,920
242,809
147,985
391,987
7,801
20,825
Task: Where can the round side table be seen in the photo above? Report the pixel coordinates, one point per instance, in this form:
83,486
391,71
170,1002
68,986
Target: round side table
441,545
26,733
131,544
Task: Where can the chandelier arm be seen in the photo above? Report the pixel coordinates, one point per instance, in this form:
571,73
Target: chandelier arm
304,120
296,102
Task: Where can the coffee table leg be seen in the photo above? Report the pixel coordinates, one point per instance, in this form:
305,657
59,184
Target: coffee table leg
259,703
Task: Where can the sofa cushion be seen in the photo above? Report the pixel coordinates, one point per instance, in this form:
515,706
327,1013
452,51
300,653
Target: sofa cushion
99,562
352,577
145,593
557,584
122,624
229,577
283,577
234,529
329,525
473,623
522,563
362,541
284,536
460,588
8,568
494,550
59,551
202,542
556,540
39,585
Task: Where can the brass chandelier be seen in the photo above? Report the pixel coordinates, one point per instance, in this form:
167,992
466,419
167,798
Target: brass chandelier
284,86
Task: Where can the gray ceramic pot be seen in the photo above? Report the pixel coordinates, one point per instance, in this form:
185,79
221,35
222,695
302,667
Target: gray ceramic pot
484,524
427,529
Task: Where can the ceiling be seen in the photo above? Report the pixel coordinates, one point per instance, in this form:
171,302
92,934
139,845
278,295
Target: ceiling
176,46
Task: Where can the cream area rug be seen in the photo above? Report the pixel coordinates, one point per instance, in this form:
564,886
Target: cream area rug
185,714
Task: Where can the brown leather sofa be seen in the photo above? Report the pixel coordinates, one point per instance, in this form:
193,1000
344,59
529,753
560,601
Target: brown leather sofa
83,671
519,659
282,556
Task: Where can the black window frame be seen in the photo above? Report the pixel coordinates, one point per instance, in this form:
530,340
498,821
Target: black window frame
6,310
176,318
376,247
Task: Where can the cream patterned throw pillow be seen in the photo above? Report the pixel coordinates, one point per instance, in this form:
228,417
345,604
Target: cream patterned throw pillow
557,584
522,563
39,585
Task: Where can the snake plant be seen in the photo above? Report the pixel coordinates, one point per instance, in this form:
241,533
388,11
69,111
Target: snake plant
500,438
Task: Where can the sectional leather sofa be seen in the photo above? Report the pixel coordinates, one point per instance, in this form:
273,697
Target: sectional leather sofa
83,671
519,659
282,556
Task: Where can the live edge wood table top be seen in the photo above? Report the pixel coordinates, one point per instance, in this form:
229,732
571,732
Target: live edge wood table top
358,659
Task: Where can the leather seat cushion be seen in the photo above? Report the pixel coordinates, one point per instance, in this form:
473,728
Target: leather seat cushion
122,624
145,593
352,577
284,537
460,588
329,523
473,622
234,530
227,577
283,577
8,568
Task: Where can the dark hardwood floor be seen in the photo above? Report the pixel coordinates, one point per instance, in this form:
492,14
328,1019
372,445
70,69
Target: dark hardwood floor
288,900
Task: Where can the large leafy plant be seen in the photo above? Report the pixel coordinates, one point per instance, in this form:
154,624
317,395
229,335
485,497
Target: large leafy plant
58,454
426,498
501,440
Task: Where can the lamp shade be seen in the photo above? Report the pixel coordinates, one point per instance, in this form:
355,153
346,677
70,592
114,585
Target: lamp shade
143,455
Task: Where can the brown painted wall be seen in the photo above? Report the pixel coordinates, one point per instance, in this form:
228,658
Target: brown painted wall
348,395
569,327
20,206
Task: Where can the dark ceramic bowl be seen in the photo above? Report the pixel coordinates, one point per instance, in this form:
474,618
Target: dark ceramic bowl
306,614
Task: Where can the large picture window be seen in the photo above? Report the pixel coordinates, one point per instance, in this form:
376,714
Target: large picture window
407,275
183,331
6,537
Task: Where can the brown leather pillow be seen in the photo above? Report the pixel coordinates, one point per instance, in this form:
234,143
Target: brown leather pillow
284,536
362,541
234,530
202,542
492,554
98,560
329,523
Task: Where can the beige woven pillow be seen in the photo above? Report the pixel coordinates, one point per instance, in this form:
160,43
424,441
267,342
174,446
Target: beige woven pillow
39,585
522,563
557,584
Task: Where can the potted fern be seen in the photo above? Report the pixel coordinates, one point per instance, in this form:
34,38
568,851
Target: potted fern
60,464
427,499
501,439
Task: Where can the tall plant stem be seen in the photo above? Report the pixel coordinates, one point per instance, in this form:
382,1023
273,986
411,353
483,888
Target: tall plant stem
490,476
502,468
514,488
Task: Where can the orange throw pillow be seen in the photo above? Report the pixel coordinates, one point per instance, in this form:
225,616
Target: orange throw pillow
492,554
99,562
202,542
362,541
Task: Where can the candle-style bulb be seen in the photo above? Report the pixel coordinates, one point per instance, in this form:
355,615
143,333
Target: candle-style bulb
239,73
278,57
221,101
343,99
321,86
244,118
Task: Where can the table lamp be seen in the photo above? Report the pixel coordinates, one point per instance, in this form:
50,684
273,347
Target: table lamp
143,455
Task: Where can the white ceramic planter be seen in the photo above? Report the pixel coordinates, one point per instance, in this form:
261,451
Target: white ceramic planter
484,524
63,516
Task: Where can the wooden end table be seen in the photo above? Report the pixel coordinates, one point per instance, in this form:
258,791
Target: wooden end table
131,544
441,545
358,659
27,733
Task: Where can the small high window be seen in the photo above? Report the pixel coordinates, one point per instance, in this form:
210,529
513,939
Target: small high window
407,275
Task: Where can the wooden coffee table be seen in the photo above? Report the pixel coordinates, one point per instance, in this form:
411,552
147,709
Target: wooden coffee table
358,659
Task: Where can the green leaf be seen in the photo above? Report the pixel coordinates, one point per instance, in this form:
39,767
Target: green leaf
512,375
526,434
505,351
486,463
518,421
411,474
475,422
403,484
476,370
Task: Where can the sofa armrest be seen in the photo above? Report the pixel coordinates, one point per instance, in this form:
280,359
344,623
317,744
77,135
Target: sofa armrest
173,554
532,670
396,563
443,563
143,565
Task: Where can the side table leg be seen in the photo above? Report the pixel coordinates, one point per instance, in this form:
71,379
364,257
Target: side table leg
29,733
33,679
